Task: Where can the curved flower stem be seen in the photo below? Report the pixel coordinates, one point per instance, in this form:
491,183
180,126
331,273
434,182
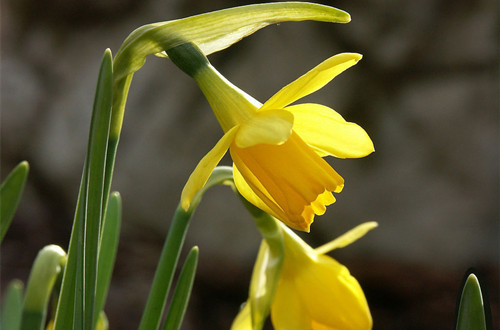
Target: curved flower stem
170,253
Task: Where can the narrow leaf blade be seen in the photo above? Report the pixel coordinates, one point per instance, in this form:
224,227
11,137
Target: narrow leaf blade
97,149
169,257
76,302
12,307
107,250
182,292
10,195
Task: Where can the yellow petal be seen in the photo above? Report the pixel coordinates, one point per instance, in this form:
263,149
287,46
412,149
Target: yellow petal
317,291
266,127
331,295
347,238
319,205
243,320
287,311
202,172
328,133
248,192
312,80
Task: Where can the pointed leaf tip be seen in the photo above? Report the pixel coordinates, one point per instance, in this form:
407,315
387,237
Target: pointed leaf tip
471,314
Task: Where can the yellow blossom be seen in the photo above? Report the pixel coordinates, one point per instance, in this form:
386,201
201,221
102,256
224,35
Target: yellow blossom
276,147
315,291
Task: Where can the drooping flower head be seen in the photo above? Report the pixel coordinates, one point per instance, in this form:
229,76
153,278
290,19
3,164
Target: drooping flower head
313,291
317,292
276,147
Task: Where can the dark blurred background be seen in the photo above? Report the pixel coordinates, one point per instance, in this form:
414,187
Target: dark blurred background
427,92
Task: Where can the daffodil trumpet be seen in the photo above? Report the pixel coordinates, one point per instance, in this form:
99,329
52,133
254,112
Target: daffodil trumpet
277,148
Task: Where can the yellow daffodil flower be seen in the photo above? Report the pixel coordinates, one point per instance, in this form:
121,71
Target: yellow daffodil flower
315,291
276,147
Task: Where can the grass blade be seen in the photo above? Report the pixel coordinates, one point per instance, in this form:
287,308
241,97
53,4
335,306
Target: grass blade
12,308
76,303
182,291
69,309
10,195
107,251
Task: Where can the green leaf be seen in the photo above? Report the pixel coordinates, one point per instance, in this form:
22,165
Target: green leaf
10,194
97,150
107,250
182,292
47,266
12,307
77,299
165,269
471,315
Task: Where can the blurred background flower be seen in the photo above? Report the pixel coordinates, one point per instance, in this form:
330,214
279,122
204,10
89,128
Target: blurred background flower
426,92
